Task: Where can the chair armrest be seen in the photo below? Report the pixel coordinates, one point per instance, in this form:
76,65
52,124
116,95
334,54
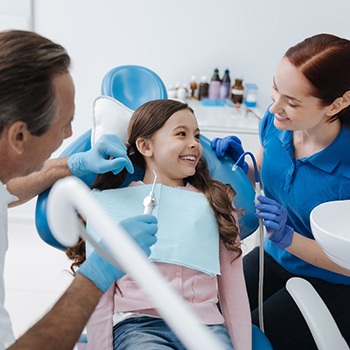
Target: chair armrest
319,319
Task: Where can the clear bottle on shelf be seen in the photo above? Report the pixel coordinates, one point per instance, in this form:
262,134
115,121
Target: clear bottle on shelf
251,95
193,87
182,93
214,86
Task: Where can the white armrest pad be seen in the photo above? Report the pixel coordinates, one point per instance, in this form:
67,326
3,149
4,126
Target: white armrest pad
320,321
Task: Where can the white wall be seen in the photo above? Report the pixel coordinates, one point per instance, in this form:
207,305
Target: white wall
181,38
178,39
16,14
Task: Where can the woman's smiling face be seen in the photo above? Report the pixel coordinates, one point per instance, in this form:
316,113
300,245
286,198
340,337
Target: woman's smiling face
293,105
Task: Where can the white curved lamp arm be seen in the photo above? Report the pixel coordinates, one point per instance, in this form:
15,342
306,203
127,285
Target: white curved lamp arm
320,321
69,195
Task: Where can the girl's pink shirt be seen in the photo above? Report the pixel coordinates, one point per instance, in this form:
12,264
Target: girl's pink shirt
201,291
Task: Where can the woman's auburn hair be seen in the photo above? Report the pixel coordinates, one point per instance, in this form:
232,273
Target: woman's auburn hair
324,60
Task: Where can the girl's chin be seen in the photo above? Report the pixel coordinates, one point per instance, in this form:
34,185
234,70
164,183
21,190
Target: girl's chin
191,173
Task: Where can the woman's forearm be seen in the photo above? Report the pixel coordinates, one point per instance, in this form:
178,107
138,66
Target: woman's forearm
309,250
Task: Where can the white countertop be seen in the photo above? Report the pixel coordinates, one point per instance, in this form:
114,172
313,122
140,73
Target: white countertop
226,118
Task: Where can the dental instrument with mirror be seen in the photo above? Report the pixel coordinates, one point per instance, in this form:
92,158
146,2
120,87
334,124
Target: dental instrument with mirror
150,202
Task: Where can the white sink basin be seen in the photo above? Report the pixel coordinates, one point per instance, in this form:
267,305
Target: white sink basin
330,225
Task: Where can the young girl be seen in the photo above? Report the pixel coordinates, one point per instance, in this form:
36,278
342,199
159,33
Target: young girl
198,247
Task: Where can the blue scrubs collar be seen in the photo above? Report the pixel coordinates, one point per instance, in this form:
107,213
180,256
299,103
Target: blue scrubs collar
327,159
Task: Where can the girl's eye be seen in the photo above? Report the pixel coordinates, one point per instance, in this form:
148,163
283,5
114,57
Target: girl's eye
198,136
182,133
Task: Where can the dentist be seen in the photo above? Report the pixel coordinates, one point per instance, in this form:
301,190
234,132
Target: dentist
36,113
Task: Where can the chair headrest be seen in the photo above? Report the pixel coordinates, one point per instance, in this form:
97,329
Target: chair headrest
133,85
109,117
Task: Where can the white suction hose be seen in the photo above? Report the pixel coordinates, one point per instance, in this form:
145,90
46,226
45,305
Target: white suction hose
261,266
258,191
69,195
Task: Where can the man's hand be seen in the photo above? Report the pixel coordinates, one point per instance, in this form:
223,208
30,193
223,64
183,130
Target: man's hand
103,273
109,154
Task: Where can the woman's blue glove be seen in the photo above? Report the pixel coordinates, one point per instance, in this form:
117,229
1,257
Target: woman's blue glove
101,272
109,154
232,146
274,217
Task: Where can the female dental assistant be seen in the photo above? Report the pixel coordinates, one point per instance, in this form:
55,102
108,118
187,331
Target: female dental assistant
304,160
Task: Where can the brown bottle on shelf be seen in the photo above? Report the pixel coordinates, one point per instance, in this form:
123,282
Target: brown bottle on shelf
193,87
237,91
203,90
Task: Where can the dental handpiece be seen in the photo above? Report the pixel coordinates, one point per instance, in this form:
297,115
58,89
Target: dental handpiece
150,202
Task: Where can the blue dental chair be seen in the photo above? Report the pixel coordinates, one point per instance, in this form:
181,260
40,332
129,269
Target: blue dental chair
132,86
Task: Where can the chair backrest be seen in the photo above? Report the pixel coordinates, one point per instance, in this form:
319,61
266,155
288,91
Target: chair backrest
133,85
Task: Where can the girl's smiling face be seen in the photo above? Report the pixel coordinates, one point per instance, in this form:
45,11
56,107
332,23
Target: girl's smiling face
174,150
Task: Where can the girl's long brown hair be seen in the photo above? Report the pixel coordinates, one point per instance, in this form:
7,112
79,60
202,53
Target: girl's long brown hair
145,121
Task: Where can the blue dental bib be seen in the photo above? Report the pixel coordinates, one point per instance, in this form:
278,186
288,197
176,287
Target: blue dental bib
187,228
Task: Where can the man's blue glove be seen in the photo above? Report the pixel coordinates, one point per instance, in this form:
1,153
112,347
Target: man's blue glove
109,154
274,217
232,146
101,272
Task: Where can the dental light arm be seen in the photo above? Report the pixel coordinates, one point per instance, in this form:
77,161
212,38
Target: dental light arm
69,195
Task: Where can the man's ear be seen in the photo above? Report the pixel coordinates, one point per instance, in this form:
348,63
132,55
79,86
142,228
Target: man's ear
339,104
144,147
18,135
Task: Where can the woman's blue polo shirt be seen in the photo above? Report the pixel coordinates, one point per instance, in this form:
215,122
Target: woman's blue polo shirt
302,184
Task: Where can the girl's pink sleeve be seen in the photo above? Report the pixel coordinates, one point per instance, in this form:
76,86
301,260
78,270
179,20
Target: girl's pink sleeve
234,301
100,326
